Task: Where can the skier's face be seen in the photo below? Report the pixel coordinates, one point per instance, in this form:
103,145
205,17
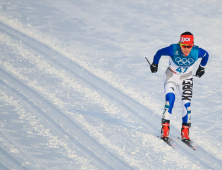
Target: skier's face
186,50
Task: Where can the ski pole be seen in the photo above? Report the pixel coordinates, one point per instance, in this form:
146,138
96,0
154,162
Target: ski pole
147,60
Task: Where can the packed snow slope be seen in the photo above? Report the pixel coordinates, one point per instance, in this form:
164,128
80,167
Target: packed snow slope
77,93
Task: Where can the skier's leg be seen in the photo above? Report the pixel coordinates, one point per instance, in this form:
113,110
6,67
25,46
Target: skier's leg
170,98
185,89
169,90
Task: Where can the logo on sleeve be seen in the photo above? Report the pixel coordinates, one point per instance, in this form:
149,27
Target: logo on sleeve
177,53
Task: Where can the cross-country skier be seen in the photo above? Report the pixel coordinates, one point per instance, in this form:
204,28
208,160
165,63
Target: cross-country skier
182,57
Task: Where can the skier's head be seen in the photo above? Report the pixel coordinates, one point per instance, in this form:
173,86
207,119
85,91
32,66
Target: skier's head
187,38
186,43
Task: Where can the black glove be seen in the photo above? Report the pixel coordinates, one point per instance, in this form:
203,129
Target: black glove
154,68
200,71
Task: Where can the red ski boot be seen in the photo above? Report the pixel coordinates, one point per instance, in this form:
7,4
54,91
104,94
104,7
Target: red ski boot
185,133
165,131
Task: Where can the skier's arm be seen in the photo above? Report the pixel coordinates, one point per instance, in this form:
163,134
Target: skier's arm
204,55
164,51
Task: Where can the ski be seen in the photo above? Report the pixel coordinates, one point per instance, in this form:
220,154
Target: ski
190,143
169,142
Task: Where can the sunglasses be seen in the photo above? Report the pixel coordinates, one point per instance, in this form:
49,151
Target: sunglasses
185,45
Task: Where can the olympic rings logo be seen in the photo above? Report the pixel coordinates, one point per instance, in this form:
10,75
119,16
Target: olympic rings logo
184,61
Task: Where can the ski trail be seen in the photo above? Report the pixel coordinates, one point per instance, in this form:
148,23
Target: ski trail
3,167
136,109
26,161
93,147
12,160
208,161
39,79
44,139
91,80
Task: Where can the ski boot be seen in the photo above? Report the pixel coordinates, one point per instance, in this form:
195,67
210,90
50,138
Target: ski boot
185,133
165,131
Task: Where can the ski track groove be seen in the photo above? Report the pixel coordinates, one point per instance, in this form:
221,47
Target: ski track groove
27,156
11,159
38,77
136,109
3,167
195,154
112,162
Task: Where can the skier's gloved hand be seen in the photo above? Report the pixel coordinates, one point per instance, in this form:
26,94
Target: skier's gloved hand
154,68
200,71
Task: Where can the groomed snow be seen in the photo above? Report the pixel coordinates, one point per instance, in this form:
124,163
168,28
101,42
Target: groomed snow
76,91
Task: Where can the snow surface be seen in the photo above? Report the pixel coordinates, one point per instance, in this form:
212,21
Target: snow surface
76,91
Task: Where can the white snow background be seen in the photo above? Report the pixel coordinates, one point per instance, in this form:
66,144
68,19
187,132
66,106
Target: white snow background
77,93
